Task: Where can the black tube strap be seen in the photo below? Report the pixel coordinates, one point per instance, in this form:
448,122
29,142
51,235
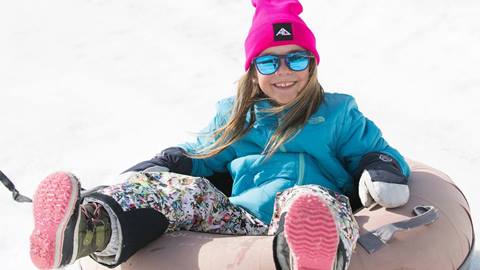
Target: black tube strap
373,241
15,194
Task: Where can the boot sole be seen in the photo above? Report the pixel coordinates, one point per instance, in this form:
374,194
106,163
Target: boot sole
311,234
54,204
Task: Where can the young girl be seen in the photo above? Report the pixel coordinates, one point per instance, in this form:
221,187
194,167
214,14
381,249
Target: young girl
294,153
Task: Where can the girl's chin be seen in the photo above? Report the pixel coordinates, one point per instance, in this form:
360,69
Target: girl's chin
283,100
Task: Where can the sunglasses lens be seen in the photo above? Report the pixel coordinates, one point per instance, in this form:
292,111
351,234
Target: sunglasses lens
267,64
298,61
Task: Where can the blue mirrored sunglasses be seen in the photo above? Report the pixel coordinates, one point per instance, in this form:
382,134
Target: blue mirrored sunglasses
270,63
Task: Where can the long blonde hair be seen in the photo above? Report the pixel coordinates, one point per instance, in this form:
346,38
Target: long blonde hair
248,93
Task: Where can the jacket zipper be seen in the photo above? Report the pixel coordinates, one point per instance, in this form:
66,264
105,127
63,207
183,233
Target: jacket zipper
301,168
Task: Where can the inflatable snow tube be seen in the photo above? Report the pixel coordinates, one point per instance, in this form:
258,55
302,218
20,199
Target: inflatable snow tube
445,244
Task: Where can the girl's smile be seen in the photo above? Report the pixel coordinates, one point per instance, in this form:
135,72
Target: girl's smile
283,84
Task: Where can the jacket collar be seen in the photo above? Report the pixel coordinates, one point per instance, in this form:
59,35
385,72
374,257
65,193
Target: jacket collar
264,118
268,119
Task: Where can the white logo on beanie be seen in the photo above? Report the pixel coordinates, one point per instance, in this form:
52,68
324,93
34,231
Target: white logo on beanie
283,32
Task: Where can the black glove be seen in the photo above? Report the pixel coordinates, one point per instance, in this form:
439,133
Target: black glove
382,181
172,159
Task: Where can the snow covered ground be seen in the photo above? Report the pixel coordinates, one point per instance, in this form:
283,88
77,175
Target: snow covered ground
94,86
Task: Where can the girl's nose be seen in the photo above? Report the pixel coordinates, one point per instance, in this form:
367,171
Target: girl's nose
283,69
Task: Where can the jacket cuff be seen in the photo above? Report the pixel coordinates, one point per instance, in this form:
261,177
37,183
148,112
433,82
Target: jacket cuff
376,161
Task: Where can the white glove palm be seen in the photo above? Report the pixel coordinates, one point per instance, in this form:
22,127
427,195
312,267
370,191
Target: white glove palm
126,175
387,194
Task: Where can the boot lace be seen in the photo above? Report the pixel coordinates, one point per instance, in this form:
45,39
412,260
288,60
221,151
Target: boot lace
92,212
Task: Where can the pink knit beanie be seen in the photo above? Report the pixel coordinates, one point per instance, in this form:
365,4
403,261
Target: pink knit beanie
276,23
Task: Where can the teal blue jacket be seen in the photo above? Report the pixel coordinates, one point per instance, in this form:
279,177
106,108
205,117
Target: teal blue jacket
325,152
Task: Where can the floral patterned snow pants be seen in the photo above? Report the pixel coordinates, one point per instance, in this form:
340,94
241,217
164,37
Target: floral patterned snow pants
194,204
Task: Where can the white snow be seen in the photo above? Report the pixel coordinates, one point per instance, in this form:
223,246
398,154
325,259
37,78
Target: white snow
94,86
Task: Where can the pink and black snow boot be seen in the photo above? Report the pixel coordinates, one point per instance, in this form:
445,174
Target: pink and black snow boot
307,237
65,230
